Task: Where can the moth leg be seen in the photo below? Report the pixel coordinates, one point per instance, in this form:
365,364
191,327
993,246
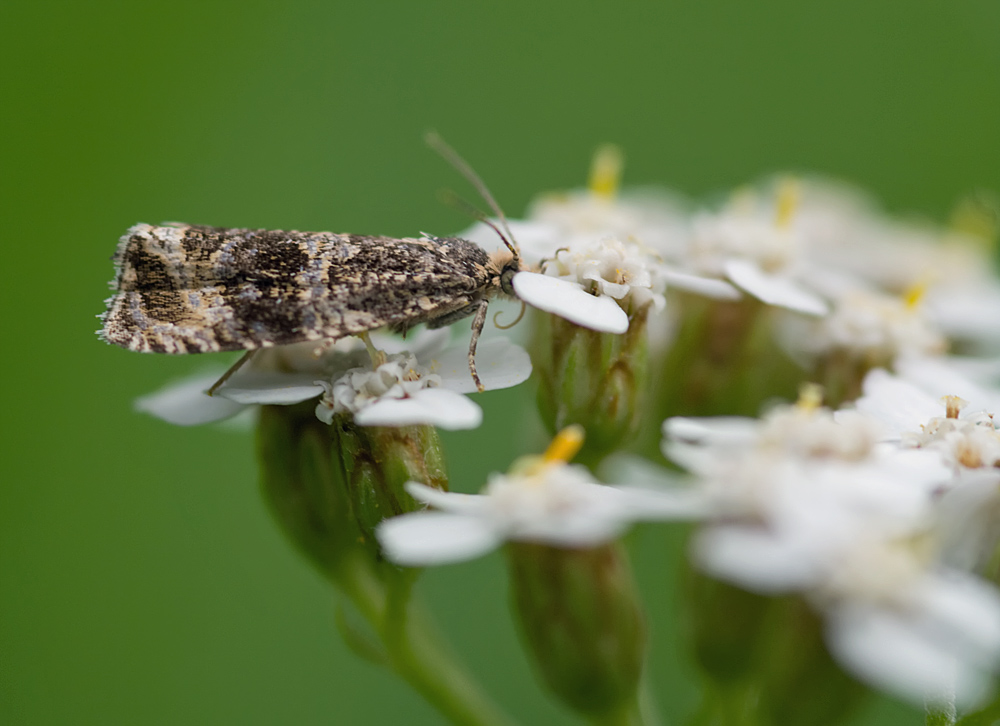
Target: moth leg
378,356
453,317
477,327
232,369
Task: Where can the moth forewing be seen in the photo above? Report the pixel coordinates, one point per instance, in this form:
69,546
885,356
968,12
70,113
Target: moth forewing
196,289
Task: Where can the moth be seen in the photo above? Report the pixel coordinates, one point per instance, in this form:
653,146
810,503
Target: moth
194,289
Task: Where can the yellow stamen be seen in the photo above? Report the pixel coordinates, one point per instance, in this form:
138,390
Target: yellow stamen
952,405
789,192
914,294
606,171
810,397
565,445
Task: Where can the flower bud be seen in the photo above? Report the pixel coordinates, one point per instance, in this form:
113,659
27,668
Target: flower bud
581,619
592,379
330,485
765,657
303,484
723,361
377,461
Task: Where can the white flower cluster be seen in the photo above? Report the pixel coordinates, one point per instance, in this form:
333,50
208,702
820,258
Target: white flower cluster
542,499
862,513
419,382
850,279
881,515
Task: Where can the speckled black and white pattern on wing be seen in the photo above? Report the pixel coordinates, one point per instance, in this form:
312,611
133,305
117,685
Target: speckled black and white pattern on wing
193,289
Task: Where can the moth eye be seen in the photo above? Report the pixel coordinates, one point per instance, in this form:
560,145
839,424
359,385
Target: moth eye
506,278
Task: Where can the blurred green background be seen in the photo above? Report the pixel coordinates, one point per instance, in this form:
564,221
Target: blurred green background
141,580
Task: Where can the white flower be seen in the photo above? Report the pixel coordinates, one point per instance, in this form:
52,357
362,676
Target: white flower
809,503
866,325
651,217
422,386
963,435
543,499
911,626
845,231
758,250
593,284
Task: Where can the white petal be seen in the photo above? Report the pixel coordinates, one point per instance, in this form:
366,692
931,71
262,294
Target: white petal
271,387
454,502
774,289
906,657
636,471
570,301
707,286
435,538
424,343
500,364
712,430
755,558
968,610
899,405
185,404
579,528
938,377
649,504
431,406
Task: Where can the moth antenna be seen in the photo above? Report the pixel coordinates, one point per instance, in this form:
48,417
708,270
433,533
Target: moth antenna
451,199
462,167
516,320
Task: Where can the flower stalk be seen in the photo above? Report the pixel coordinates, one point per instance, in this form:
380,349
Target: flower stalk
327,506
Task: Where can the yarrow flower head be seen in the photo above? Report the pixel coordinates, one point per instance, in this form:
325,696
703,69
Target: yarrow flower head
594,284
542,499
756,248
819,504
963,435
869,326
415,382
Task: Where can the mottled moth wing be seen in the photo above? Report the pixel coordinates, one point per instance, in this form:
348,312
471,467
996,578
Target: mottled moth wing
194,289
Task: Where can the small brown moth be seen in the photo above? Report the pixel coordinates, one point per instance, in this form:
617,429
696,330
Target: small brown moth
194,289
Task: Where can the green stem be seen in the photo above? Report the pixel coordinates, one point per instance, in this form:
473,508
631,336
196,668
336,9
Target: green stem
636,713
413,650
939,715
732,705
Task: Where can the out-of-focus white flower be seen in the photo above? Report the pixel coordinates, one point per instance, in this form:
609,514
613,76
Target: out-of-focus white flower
964,435
419,383
542,499
868,326
910,625
845,231
756,248
650,217
820,505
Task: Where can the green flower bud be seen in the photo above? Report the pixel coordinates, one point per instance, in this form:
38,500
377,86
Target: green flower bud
303,484
592,379
765,658
723,360
377,461
330,485
581,618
